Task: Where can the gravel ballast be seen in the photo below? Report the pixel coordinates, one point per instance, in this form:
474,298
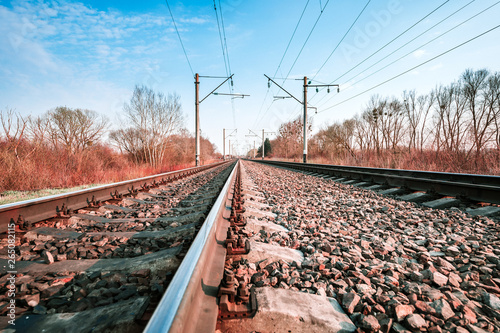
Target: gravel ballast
392,265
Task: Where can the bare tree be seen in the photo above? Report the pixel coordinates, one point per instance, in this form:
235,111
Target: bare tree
417,109
129,141
14,127
75,129
338,139
480,95
289,140
154,117
361,136
375,109
451,126
394,124
492,101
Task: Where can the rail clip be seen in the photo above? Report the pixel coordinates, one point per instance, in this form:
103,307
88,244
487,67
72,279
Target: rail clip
235,303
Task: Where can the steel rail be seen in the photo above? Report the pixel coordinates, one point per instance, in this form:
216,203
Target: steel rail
482,188
35,210
190,303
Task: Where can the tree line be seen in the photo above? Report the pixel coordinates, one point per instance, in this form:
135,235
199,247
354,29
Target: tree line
454,128
65,146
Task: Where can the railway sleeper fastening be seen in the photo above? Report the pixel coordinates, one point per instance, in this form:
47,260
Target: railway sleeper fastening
236,301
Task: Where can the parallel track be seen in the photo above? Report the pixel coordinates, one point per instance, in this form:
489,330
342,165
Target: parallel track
32,211
128,247
480,188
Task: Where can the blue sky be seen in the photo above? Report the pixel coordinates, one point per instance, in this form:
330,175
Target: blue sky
92,54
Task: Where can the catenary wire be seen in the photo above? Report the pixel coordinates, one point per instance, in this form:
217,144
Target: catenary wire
225,54
338,44
381,48
395,38
303,46
336,47
414,67
221,40
399,48
307,39
279,65
225,40
417,48
291,38
180,39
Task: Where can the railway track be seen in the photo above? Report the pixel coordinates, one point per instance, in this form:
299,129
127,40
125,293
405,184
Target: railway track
104,260
278,251
432,189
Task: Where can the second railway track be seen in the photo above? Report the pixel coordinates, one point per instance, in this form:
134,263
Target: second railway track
105,266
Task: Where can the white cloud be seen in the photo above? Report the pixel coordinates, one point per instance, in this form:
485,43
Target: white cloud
68,53
19,45
194,20
436,67
419,53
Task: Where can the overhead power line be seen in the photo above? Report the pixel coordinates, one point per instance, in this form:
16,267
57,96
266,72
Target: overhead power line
224,33
307,39
291,38
347,32
415,67
180,39
322,9
221,40
419,47
278,68
421,34
380,49
225,54
395,38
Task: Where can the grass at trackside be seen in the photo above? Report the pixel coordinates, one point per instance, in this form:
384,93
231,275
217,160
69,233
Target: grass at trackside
15,196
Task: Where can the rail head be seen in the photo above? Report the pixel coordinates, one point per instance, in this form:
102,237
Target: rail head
197,272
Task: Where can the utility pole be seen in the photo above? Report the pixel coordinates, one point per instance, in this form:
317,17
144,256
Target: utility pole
197,117
255,136
263,140
224,138
304,103
263,146
305,120
197,103
229,149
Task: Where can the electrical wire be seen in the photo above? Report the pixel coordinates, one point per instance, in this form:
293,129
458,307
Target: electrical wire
225,54
290,41
420,35
302,48
225,41
387,44
307,39
347,32
419,47
221,40
414,67
408,29
279,65
269,107
182,44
